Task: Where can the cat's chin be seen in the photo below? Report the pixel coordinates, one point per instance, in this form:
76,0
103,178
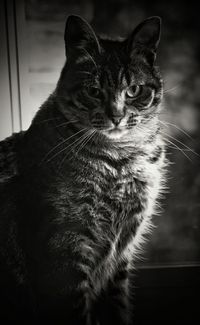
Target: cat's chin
115,133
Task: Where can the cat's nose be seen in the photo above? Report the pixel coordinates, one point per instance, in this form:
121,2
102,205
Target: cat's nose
116,119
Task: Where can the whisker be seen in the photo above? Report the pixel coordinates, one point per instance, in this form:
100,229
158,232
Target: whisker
79,141
176,127
172,89
71,144
62,142
87,140
81,145
66,123
194,152
180,149
173,144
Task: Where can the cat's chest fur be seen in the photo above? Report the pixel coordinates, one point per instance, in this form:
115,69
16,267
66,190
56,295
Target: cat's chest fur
130,188
114,204
113,201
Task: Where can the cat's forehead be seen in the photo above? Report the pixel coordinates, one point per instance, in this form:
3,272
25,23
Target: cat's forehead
117,74
112,71
118,69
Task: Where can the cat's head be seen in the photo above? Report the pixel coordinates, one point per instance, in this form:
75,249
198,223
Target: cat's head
111,86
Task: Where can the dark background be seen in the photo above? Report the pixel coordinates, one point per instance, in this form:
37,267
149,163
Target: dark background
168,280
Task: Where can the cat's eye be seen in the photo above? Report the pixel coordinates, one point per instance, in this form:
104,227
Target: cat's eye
140,95
133,91
93,92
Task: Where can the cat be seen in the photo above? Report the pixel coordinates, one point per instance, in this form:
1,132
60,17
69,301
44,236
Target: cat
79,187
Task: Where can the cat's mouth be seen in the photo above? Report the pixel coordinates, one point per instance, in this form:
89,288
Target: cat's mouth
115,130
111,130
115,133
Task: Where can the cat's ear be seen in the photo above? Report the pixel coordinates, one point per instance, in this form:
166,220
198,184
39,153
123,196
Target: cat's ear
79,34
146,36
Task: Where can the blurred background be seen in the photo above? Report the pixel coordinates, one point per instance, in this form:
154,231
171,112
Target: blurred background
31,58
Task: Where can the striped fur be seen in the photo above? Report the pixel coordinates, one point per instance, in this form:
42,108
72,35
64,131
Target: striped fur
89,172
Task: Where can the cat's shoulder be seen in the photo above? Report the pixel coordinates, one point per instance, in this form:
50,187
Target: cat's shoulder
8,156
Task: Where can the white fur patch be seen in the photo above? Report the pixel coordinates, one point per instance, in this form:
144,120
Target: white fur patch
120,101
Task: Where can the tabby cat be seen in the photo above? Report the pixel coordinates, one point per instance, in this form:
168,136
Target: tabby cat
79,187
